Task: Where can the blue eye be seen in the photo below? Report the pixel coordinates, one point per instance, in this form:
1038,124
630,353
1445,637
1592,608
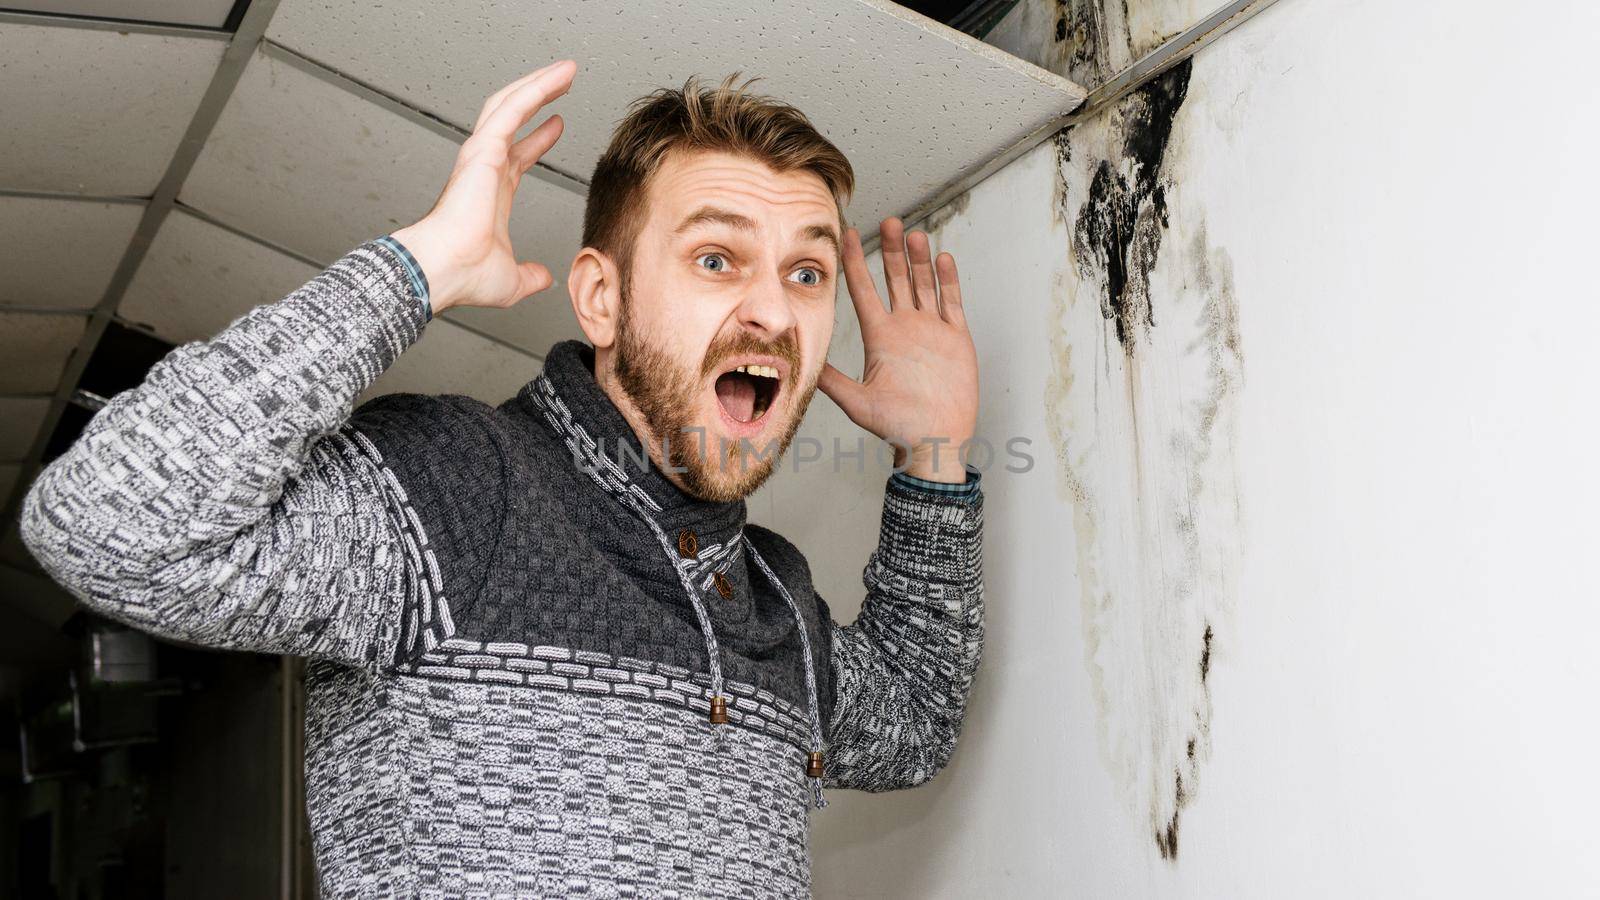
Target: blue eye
814,279
720,262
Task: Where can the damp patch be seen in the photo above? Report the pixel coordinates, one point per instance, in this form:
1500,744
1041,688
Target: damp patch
1142,409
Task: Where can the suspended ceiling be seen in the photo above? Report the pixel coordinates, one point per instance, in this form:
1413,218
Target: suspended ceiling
340,122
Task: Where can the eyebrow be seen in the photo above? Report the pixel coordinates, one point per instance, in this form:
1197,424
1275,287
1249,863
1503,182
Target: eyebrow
710,215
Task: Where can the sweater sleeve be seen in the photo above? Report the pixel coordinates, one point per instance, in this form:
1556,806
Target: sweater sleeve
903,670
225,502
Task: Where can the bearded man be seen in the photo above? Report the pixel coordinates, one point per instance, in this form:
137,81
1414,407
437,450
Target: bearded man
549,656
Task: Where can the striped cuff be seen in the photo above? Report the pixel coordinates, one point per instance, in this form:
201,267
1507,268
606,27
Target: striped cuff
965,489
419,281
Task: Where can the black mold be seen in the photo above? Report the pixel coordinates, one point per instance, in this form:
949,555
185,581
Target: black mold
1167,838
1205,658
1079,24
1119,229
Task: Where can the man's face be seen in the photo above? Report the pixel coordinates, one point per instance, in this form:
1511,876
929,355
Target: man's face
734,266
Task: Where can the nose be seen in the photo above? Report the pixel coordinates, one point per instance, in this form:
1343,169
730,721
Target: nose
766,309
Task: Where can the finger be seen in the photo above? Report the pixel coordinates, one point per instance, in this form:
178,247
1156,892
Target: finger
526,152
950,290
895,273
493,103
520,105
848,393
923,286
869,306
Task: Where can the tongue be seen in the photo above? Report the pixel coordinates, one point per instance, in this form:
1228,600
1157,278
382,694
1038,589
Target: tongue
737,394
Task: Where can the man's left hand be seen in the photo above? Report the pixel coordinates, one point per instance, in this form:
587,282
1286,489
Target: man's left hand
919,383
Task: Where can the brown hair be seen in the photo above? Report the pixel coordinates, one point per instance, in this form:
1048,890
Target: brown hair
695,118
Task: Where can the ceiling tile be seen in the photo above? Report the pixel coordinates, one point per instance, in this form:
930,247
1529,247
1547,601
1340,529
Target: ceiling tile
96,112
197,278
317,169
915,105
205,13
534,325
449,359
60,254
36,347
20,418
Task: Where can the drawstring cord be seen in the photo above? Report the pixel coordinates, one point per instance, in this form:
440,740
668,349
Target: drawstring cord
814,759
584,449
586,453
719,709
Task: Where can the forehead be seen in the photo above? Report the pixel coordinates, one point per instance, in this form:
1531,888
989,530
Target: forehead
687,181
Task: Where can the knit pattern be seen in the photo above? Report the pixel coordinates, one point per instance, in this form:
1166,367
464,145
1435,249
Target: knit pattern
587,672
509,690
490,790
585,449
905,667
202,506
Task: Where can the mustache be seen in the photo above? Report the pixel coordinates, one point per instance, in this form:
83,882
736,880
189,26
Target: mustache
786,348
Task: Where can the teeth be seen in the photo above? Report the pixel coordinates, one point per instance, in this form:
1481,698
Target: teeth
763,371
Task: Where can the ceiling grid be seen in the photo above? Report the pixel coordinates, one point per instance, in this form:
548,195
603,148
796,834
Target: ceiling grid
220,86
243,163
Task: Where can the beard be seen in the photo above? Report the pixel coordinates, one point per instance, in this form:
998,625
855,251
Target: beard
666,393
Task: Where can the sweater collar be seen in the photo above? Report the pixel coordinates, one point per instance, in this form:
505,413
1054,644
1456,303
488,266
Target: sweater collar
570,387
568,399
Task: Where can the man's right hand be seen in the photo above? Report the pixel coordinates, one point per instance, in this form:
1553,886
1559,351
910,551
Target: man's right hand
463,244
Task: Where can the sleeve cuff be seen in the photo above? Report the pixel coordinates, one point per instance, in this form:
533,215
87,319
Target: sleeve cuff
419,281
939,488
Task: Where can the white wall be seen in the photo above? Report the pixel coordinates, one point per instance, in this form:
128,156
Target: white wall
1356,442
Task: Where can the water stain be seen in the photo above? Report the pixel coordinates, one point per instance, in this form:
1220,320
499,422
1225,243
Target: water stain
1142,411
942,216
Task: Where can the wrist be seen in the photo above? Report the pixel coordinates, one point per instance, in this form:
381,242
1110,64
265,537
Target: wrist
440,273
938,460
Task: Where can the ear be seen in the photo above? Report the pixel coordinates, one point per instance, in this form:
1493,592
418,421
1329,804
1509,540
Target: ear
596,288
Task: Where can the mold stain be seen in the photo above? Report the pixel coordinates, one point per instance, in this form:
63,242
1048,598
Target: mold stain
941,217
1086,54
1142,408
1091,41
1119,230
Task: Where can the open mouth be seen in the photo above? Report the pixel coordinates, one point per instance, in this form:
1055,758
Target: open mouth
746,392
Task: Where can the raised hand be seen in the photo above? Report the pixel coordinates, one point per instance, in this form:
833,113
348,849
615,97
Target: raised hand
919,382
464,243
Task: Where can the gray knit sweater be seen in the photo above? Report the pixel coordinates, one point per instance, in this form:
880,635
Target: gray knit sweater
516,633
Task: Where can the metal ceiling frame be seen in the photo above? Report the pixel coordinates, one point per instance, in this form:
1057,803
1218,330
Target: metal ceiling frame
279,249
126,26
253,17
85,198
1171,52
241,47
543,171
297,256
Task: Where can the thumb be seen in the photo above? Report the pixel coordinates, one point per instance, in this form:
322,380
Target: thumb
532,278
848,393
